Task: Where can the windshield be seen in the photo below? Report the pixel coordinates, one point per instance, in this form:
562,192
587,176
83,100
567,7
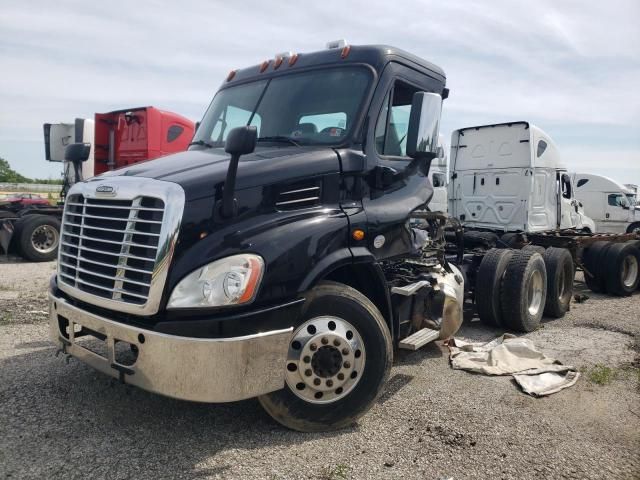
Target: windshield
632,199
311,108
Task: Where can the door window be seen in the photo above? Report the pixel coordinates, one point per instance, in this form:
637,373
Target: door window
438,180
617,200
393,121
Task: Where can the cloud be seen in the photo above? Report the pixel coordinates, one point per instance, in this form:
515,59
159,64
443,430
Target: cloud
570,67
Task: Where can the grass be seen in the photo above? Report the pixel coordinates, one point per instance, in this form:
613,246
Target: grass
339,472
601,374
5,318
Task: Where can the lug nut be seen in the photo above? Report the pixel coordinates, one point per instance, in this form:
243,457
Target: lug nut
347,365
329,383
345,351
341,376
308,372
324,340
336,342
306,359
316,381
313,347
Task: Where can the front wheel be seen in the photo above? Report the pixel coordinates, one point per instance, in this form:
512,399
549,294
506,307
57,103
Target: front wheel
338,360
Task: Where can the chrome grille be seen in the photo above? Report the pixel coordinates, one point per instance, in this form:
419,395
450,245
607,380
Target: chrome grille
114,251
109,246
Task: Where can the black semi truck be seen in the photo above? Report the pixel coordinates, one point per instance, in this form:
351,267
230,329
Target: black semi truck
287,253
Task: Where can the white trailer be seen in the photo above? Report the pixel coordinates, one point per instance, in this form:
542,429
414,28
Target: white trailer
610,204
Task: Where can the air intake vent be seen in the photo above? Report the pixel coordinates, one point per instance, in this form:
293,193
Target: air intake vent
299,195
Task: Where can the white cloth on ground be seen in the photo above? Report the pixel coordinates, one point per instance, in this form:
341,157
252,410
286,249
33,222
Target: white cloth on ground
536,373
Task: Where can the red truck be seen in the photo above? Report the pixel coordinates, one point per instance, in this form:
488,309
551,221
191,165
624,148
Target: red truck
89,147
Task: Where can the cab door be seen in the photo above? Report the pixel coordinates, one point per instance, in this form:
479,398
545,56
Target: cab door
616,208
568,206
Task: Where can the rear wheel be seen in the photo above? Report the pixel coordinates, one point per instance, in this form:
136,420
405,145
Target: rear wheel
488,285
534,248
593,261
621,269
338,360
634,228
39,237
560,273
524,291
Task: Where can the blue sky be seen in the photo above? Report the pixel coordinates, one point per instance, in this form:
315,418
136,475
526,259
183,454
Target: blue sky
571,67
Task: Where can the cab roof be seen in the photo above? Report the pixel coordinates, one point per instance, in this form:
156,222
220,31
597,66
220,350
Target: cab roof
377,56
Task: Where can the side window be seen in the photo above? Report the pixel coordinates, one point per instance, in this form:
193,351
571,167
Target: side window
174,132
582,181
438,180
542,146
231,118
323,121
393,121
617,200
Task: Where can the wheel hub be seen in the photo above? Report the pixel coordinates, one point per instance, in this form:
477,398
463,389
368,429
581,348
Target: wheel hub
44,239
325,360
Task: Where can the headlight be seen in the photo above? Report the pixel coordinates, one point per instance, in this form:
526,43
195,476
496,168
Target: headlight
229,281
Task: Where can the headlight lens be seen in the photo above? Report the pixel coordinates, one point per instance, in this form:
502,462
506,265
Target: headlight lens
229,281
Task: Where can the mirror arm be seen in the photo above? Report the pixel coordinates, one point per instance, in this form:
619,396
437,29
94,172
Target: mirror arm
229,203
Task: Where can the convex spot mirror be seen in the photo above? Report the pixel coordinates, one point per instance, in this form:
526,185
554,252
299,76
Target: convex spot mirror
424,126
77,152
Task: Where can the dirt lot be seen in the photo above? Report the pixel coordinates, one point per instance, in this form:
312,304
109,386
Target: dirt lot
60,420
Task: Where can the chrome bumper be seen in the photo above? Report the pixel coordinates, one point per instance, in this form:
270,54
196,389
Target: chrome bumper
196,369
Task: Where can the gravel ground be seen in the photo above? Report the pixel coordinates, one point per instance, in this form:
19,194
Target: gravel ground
60,420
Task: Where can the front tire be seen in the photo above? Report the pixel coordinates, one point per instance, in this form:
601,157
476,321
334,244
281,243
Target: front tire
339,358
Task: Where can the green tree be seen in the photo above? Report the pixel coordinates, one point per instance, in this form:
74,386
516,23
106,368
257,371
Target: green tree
9,175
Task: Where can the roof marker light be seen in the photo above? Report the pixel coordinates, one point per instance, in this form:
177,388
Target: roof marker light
264,65
293,59
278,61
345,51
232,74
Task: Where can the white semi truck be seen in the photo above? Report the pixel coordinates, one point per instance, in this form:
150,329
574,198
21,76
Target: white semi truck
438,177
508,187
610,204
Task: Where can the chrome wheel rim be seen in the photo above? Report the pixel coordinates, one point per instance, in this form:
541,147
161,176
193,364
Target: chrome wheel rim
534,293
629,270
45,239
325,360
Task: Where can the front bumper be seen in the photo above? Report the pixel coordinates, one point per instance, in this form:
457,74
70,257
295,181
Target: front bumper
196,369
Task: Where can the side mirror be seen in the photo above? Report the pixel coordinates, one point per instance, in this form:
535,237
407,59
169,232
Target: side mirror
77,152
241,140
424,126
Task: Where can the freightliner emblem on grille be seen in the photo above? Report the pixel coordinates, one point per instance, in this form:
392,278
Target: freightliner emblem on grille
105,190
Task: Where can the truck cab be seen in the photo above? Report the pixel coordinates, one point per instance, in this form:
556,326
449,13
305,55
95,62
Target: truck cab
275,258
509,178
438,179
610,204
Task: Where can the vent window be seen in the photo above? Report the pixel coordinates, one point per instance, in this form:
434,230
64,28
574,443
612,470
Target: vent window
542,146
174,132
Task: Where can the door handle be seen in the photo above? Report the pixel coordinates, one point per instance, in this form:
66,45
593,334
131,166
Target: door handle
606,215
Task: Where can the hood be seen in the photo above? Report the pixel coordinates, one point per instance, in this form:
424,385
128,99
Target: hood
200,172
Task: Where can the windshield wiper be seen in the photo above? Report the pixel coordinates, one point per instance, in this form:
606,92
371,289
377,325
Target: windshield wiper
279,138
202,143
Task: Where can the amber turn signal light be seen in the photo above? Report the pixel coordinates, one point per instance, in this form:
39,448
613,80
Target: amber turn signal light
358,234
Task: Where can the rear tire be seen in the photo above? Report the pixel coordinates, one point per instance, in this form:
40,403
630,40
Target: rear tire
39,238
621,270
489,285
634,228
534,248
307,406
524,291
593,261
560,273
